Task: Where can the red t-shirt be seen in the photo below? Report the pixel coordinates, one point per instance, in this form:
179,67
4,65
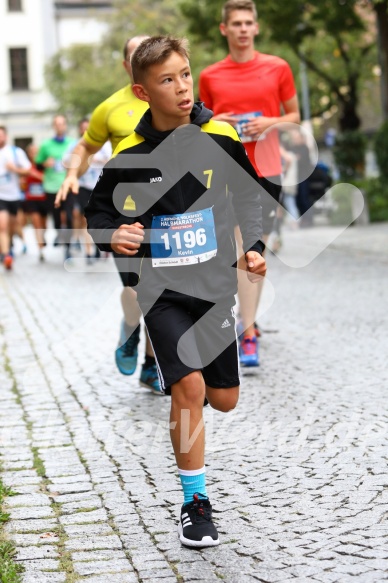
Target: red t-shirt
260,85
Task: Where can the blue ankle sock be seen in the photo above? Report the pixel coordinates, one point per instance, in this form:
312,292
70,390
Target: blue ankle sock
193,481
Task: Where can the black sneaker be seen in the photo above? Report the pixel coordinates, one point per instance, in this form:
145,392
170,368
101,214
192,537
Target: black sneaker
195,527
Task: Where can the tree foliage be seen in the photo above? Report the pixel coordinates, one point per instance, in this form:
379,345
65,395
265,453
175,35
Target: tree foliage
381,10
80,77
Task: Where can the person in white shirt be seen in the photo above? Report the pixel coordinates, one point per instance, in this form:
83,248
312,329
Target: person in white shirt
13,164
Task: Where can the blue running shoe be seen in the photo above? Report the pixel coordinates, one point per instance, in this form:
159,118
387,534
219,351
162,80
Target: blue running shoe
149,379
126,353
249,351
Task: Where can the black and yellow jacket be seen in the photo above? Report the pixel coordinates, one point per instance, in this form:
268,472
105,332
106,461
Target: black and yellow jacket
203,165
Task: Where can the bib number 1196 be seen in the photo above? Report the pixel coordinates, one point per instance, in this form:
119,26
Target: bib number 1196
190,239
183,239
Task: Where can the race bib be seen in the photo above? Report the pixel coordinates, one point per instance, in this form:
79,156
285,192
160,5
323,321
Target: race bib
183,239
242,119
36,190
58,166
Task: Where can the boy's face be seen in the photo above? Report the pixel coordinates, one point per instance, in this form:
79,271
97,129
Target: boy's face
168,88
240,30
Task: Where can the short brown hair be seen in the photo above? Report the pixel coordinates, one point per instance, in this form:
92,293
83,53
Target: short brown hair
154,51
231,5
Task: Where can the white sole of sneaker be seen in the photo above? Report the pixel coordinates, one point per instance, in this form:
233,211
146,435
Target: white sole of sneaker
151,389
207,541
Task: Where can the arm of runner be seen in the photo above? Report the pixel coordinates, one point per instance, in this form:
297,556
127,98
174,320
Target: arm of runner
256,266
17,169
126,239
77,165
261,123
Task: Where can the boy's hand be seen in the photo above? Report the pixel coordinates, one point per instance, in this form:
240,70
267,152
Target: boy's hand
126,239
256,266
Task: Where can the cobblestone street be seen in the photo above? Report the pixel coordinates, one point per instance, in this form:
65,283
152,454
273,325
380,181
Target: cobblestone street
297,473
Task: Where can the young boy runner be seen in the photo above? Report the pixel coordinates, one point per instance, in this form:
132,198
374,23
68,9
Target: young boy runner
167,218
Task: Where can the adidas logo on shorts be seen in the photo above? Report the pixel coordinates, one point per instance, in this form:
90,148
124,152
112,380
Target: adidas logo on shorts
226,324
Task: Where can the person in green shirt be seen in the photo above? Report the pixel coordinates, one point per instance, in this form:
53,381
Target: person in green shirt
49,158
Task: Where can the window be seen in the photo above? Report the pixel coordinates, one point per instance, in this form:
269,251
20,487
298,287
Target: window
15,5
19,71
23,142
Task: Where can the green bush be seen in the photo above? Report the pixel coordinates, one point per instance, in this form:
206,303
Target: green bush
376,194
375,191
342,215
349,154
381,149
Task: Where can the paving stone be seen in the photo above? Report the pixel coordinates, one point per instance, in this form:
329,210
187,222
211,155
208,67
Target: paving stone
31,526
28,500
99,555
28,513
118,578
101,542
88,504
26,540
151,573
67,480
92,517
42,565
89,530
97,567
42,577
33,552
70,488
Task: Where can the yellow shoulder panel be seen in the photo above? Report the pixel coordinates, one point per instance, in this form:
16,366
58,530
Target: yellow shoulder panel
129,142
222,128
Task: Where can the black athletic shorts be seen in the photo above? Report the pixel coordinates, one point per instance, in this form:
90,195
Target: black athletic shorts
82,198
11,206
211,346
273,186
36,206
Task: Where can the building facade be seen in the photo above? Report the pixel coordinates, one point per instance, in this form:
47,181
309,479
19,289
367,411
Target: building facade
31,32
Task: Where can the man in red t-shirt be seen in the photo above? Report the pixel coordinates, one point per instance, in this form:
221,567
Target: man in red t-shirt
253,92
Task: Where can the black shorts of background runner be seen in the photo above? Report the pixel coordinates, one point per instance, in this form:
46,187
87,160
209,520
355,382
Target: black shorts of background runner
67,207
170,317
36,206
82,198
272,184
11,206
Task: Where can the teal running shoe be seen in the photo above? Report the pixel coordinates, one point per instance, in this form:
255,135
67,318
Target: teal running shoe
126,353
149,379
